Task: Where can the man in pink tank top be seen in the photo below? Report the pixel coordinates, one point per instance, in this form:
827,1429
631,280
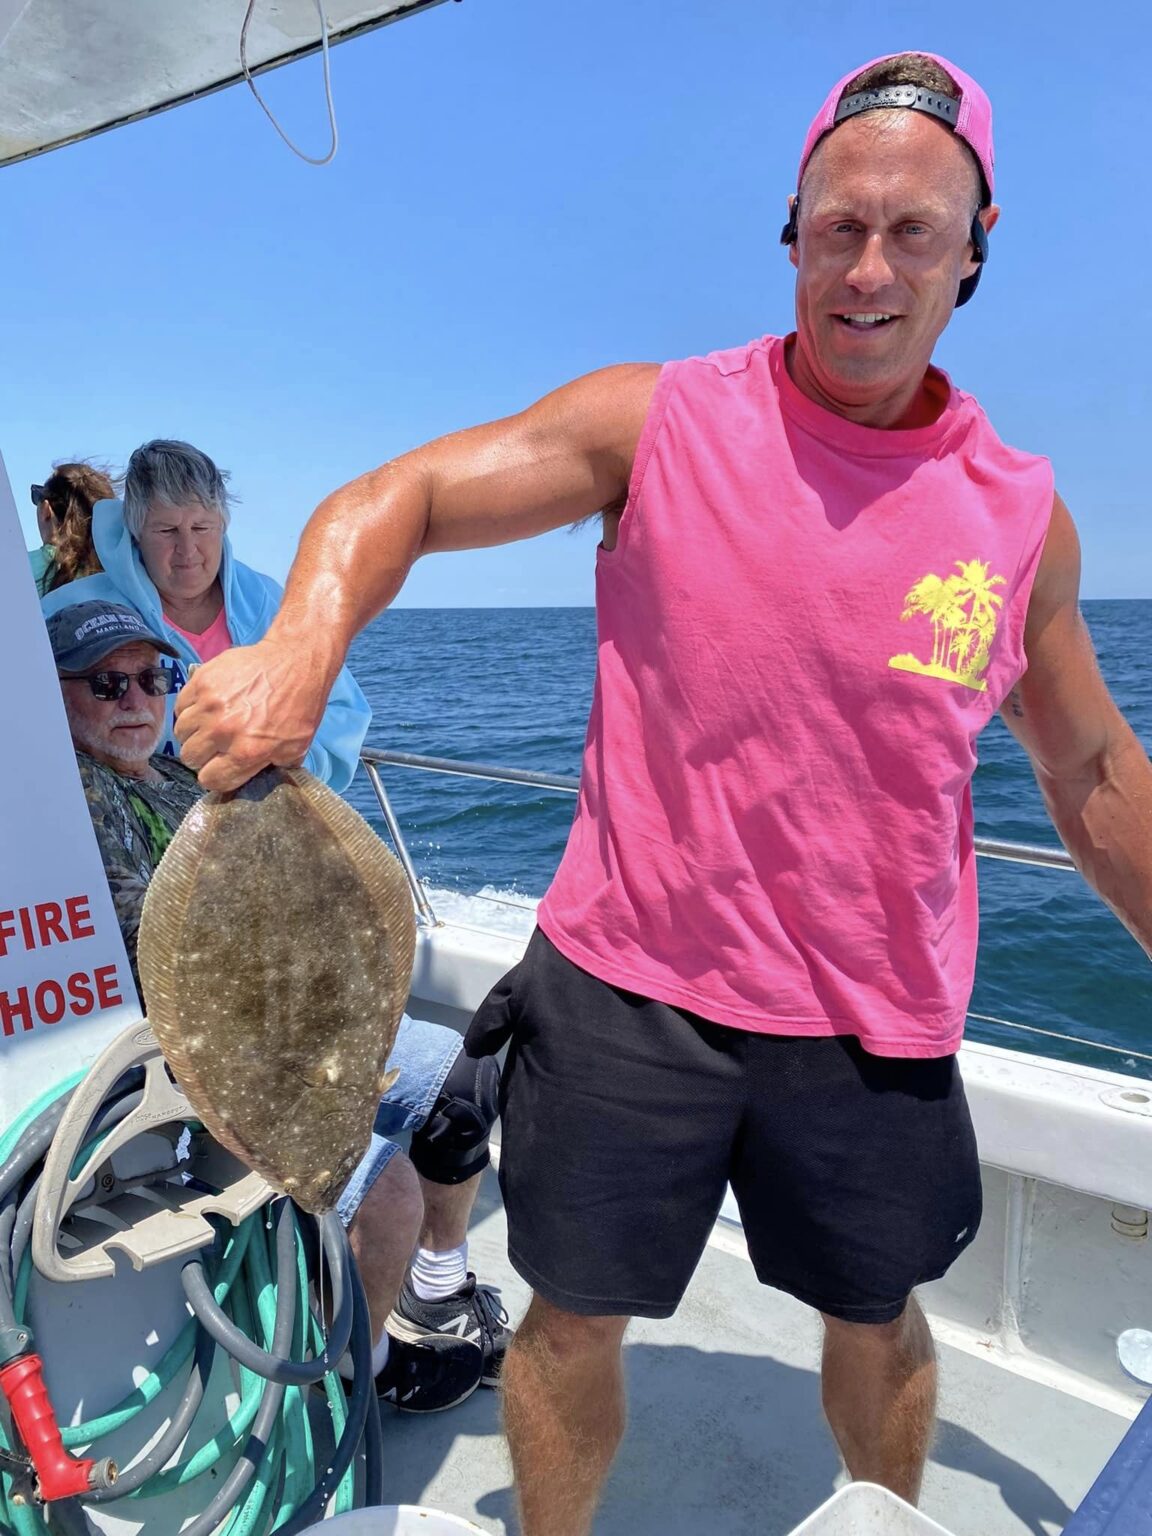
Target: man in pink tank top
754,963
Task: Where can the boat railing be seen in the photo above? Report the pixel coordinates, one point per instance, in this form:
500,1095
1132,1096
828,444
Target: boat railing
1037,855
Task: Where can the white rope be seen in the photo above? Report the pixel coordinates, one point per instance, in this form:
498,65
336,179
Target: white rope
309,159
1117,1050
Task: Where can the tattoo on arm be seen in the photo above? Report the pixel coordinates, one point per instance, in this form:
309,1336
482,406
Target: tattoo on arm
1015,705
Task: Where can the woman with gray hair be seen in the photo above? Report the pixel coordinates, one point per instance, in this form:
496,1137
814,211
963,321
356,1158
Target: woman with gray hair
165,552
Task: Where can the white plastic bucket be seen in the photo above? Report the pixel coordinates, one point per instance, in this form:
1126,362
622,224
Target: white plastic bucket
398,1520
865,1509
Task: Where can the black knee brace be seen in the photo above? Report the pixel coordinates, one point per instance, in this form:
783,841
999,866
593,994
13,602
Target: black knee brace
452,1144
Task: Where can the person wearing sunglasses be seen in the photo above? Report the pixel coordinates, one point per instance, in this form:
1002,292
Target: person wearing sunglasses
164,550
439,1334
64,518
115,688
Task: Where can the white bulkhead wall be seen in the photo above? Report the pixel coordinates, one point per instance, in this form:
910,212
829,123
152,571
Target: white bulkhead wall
65,984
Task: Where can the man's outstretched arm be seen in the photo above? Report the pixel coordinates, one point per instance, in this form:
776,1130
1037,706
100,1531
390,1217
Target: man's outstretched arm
563,459
1092,770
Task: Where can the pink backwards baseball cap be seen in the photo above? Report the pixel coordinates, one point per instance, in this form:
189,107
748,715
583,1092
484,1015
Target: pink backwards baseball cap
969,115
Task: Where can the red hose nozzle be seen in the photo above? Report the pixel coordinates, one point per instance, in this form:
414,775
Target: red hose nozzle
58,1475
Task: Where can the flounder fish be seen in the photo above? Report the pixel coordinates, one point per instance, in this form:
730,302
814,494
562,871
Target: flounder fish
275,952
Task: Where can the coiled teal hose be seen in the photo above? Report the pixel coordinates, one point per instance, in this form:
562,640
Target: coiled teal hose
242,1282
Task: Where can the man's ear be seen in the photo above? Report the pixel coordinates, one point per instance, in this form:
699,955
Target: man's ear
793,249
988,218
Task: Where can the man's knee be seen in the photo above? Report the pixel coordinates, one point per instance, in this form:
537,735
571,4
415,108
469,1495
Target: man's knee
392,1205
452,1145
907,1331
569,1334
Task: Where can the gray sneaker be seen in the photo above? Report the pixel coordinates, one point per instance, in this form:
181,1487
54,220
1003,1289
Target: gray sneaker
474,1312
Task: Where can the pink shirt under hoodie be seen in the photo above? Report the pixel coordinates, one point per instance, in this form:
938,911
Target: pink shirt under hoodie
211,641
803,628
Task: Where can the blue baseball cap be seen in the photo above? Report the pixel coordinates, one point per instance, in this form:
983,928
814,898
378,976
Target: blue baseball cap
84,633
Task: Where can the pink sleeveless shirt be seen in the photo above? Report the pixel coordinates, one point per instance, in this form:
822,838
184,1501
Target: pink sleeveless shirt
803,628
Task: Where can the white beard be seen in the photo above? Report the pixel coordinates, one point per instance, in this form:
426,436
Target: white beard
106,741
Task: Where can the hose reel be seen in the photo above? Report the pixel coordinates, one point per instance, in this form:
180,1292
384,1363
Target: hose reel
116,1167
153,1214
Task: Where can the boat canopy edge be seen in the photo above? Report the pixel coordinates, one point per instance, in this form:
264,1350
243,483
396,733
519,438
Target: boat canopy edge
70,69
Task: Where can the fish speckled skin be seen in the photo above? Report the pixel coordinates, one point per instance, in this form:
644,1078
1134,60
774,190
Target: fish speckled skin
276,949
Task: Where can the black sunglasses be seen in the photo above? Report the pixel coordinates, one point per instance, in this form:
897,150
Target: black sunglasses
156,682
39,494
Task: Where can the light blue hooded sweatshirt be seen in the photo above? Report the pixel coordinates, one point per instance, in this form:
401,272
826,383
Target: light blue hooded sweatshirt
41,562
250,604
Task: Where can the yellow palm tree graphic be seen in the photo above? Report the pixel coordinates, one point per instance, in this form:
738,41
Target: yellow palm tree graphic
963,612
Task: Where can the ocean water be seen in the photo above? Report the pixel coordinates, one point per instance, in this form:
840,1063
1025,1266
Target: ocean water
513,686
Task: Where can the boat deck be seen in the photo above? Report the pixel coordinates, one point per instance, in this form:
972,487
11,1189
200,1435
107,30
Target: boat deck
726,1433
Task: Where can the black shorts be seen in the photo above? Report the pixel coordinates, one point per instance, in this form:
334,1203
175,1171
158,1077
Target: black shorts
624,1119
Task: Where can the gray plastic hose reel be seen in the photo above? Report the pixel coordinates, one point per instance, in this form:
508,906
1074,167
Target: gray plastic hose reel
139,1204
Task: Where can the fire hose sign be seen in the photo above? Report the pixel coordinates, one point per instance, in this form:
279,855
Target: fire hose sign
65,984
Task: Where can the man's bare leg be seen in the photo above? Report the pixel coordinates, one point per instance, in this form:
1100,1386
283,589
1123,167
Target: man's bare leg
564,1415
383,1234
447,1208
879,1386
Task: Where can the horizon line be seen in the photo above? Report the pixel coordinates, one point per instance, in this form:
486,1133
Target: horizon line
591,607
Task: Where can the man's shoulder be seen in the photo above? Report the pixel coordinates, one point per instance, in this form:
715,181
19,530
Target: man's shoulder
104,787
176,772
729,361
96,776
181,789
106,792
992,445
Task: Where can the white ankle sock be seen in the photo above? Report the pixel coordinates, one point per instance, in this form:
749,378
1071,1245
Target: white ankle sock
379,1358
436,1275
380,1353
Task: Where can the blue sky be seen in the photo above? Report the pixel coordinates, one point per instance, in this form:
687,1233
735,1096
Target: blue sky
525,191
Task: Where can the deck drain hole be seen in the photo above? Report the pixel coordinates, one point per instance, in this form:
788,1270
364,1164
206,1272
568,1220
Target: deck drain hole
1134,1352
1136,1098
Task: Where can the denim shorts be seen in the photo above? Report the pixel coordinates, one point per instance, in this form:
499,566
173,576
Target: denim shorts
423,1054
